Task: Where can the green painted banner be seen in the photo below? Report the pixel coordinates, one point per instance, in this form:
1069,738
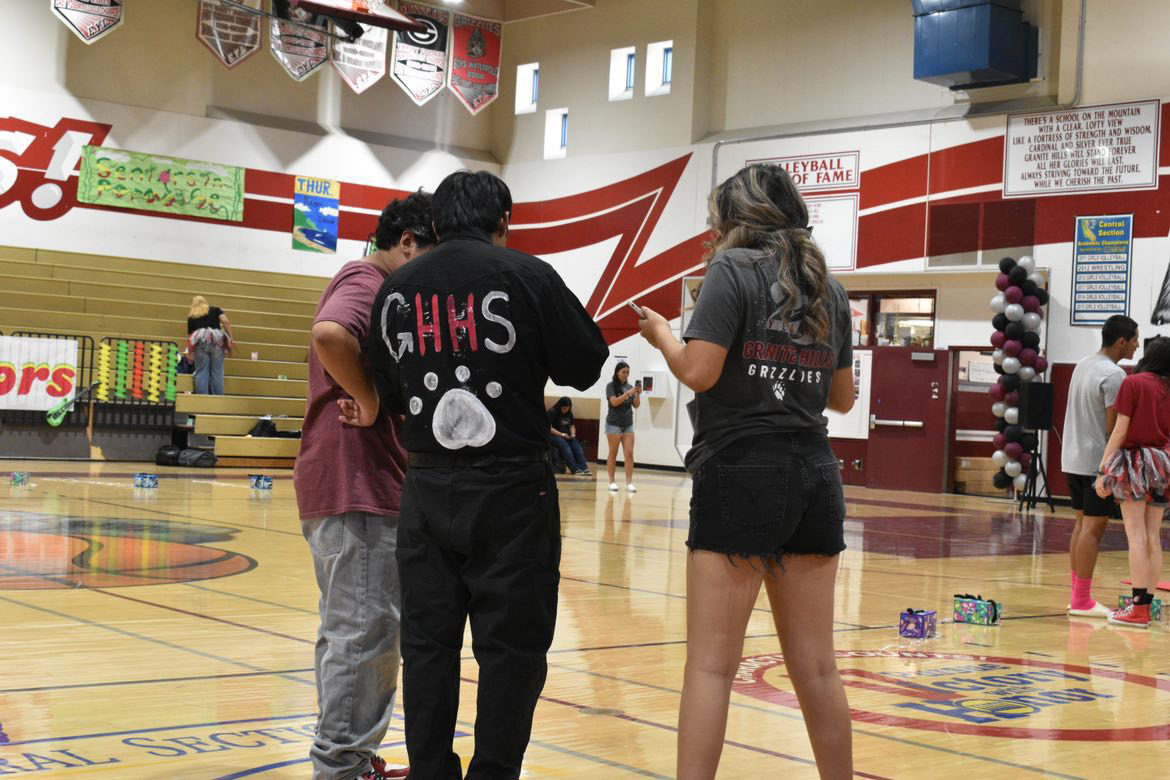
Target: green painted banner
155,182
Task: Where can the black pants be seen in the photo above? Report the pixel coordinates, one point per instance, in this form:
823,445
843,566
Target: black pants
482,543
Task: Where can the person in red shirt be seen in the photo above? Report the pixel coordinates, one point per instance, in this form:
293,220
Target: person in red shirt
348,481
1136,470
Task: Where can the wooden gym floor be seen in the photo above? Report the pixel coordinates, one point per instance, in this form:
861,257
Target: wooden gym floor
169,633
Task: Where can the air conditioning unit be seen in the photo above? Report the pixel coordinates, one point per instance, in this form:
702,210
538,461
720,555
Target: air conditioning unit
967,44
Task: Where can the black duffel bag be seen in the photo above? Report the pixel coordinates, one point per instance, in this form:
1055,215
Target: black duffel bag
167,455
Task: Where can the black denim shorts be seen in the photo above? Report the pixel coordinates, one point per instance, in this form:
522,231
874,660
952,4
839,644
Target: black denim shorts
769,496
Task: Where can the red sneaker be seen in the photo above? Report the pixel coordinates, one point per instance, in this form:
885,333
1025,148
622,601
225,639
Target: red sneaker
380,770
1133,615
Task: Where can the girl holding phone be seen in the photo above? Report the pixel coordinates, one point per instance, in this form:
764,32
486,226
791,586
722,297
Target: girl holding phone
623,399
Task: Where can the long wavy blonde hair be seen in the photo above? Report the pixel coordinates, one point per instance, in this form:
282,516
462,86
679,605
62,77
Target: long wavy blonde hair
199,307
760,208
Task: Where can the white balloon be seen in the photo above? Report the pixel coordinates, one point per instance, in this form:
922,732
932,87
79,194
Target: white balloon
1012,415
1027,263
1010,365
1037,278
1013,468
1020,482
1026,373
999,457
1014,312
998,408
997,356
998,303
1031,320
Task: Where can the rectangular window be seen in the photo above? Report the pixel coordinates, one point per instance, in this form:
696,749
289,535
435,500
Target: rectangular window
902,319
659,68
556,133
623,63
527,87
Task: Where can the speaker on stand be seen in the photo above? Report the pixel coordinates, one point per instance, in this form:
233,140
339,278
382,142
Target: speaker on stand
1035,416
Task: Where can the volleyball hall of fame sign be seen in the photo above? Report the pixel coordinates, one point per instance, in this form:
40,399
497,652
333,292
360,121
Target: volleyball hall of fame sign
301,48
89,19
419,59
232,35
474,71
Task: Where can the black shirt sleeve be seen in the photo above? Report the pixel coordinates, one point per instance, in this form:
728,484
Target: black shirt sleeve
574,349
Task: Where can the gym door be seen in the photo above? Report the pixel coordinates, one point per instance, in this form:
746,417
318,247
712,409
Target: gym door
908,415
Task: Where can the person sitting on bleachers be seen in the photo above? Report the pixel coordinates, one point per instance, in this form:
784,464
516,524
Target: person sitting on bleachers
563,434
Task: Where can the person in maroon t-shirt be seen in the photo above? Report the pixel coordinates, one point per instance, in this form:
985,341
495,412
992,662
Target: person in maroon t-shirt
348,481
1136,470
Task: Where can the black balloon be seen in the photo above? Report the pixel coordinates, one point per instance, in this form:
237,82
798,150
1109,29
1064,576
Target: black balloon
1007,264
1000,321
1031,339
1042,294
1018,275
1028,441
1000,424
1029,287
1010,382
1013,433
997,368
1001,480
1014,331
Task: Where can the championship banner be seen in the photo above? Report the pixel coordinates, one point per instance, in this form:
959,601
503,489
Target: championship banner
89,19
300,48
155,182
362,62
316,209
420,59
474,70
232,35
36,374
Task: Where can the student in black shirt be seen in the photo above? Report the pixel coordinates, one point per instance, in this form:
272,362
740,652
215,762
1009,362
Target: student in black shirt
463,341
563,434
209,336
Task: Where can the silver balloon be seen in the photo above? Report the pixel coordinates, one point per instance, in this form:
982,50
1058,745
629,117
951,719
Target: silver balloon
998,303
997,356
1031,320
1013,468
1010,365
1014,312
1012,415
1026,373
1020,482
998,408
1027,263
999,457
1037,278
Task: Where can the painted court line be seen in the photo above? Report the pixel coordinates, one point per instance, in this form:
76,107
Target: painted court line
154,681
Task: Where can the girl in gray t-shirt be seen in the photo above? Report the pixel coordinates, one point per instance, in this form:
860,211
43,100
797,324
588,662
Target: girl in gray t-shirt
621,401
768,349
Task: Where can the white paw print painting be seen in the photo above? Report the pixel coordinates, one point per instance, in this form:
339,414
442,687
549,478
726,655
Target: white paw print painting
460,419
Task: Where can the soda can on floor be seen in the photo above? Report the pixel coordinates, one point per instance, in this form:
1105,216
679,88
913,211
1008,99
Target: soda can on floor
261,481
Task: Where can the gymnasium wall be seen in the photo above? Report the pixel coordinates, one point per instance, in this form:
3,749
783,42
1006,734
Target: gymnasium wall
623,215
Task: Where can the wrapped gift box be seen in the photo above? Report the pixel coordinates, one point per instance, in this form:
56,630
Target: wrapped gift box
918,624
977,610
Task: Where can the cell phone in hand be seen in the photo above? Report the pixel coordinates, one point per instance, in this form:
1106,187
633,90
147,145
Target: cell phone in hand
637,310
638,384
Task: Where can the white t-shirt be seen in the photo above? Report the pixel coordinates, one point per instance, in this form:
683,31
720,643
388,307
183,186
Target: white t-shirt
1094,386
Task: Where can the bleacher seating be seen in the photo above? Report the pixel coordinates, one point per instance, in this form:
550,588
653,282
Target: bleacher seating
99,296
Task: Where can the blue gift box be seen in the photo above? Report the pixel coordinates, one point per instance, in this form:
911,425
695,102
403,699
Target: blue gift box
261,481
918,624
143,480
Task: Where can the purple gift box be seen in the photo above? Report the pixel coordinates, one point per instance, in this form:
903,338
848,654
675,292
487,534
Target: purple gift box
918,624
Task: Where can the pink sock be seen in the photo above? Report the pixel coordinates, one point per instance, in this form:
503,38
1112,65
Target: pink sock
1082,596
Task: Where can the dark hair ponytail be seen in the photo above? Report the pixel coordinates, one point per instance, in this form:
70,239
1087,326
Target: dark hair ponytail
1156,358
760,208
